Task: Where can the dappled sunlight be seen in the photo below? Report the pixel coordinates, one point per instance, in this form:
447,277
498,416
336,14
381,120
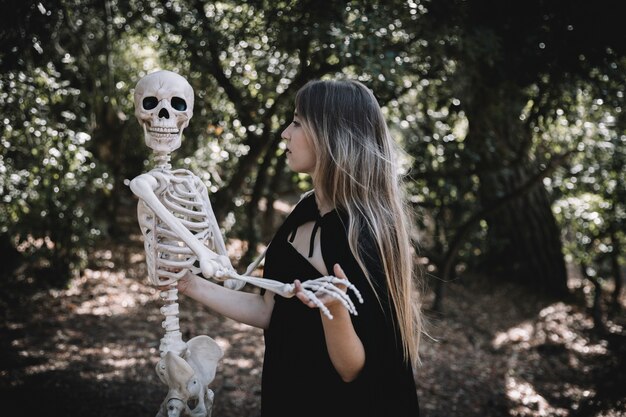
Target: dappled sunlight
223,343
237,248
552,358
524,396
560,324
47,363
105,292
500,350
242,326
120,362
489,358
113,359
240,363
557,324
521,335
91,331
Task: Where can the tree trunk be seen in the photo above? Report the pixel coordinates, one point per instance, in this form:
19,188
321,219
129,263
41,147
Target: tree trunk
616,270
524,242
596,307
269,224
252,207
523,238
12,258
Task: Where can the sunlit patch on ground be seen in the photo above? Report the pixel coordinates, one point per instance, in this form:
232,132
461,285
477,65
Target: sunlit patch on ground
111,293
520,335
525,398
98,338
501,351
560,341
556,324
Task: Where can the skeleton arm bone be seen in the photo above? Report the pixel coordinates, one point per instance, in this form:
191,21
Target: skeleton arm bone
323,285
220,247
312,288
218,266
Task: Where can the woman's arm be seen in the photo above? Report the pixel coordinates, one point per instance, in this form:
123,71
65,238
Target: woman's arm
345,348
248,308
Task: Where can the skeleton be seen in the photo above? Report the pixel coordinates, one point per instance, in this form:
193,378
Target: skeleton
181,235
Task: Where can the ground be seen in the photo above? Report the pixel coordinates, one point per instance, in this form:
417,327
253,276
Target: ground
496,350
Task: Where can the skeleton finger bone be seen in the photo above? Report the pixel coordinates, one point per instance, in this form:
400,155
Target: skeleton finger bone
330,281
318,303
327,287
341,296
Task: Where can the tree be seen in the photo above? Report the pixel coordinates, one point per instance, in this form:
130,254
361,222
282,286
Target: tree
63,129
592,191
509,64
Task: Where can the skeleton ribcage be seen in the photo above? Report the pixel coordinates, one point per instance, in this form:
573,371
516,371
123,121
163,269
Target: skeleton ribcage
167,256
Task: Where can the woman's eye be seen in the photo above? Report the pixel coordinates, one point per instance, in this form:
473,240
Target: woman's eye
296,123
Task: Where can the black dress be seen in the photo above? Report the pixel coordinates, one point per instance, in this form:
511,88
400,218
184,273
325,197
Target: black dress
298,376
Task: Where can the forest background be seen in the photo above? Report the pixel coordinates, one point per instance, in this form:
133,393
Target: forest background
511,115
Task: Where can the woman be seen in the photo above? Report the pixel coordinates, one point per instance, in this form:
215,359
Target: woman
353,225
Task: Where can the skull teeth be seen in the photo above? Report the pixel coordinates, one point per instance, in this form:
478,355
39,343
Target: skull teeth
163,130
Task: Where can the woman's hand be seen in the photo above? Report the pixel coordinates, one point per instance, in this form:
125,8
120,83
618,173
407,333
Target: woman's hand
344,346
185,282
332,303
182,284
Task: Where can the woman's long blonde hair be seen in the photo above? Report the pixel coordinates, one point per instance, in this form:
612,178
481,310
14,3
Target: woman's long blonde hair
357,170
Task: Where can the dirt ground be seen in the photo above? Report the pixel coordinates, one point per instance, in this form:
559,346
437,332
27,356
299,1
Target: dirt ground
90,350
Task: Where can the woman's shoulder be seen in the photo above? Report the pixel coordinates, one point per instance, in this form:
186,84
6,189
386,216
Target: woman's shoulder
307,194
306,208
303,211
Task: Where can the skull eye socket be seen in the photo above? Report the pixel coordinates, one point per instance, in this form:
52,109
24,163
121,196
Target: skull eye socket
150,102
179,104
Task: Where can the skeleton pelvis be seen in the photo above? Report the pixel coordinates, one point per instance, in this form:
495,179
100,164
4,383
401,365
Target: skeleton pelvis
188,376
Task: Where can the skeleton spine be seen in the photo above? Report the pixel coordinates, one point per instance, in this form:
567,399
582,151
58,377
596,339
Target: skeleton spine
172,340
162,160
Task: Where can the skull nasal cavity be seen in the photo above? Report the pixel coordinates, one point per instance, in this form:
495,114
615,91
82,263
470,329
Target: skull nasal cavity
164,113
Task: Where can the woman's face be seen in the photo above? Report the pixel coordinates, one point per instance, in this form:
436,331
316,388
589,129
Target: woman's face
300,152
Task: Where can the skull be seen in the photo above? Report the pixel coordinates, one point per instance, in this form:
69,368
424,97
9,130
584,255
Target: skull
163,107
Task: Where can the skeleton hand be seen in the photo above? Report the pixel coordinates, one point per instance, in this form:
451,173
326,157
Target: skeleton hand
216,267
327,292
